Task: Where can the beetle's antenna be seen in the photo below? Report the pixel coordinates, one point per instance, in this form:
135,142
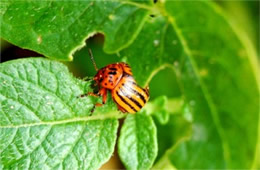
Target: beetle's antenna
92,59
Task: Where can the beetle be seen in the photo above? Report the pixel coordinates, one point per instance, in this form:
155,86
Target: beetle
118,79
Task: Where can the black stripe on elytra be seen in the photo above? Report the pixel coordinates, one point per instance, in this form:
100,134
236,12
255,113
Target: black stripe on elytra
130,98
134,91
112,72
123,100
145,90
113,69
136,102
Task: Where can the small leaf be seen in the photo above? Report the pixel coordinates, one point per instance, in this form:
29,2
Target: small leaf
137,142
157,108
45,124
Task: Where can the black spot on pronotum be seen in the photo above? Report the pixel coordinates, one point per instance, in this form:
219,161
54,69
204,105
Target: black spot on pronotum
154,1
100,80
113,69
105,83
112,72
152,15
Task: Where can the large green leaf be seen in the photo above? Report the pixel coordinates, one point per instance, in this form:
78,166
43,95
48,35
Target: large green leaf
67,24
137,142
216,76
45,124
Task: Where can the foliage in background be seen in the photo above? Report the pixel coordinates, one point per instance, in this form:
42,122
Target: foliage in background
209,120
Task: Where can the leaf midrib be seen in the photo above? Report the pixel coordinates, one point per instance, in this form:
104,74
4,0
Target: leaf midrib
212,107
97,116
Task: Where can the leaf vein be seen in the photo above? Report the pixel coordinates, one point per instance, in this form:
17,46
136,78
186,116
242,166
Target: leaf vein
204,89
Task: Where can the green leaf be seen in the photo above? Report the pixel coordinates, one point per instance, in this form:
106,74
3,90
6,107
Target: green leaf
67,25
158,109
176,131
45,124
217,75
137,142
162,107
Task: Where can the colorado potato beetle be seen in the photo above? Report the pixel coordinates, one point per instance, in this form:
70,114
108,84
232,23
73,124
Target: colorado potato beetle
118,79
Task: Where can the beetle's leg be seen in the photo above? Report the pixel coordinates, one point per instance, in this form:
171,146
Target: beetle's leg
103,92
87,78
92,94
89,94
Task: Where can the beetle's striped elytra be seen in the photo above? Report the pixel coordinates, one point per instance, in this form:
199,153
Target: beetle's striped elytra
118,79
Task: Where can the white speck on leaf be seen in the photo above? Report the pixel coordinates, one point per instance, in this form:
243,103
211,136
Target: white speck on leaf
187,114
12,107
199,133
156,43
111,17
39,39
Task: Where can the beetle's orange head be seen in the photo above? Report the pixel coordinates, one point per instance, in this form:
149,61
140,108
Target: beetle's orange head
99,77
